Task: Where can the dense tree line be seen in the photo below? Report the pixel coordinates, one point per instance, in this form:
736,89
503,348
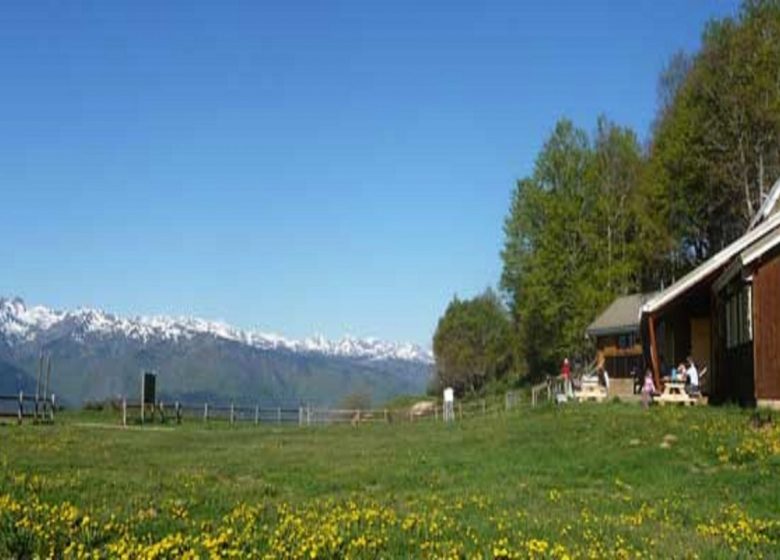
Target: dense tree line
603,215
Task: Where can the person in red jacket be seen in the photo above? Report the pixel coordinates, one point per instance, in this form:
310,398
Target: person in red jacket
566,375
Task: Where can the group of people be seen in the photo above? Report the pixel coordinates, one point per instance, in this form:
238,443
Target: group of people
568,387
686,373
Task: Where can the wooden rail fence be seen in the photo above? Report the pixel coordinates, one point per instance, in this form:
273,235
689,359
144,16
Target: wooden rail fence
37,408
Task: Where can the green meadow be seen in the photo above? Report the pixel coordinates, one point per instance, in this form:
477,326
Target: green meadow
588,481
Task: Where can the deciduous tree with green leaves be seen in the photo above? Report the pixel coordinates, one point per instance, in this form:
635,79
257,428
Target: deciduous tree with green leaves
473,344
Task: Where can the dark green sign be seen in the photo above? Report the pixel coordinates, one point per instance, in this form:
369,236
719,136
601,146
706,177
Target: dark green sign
148,382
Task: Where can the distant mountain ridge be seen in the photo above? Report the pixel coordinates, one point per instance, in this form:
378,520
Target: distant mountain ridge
99,354
19,322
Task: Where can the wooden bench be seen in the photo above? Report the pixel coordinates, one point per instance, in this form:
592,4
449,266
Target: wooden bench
674,393
591,390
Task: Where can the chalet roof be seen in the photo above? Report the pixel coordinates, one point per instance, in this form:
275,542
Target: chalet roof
714,265
621,316
748,256
770,205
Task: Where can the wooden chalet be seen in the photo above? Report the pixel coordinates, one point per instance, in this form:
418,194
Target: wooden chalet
725,314
616,333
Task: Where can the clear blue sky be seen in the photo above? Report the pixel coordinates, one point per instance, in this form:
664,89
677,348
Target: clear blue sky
300,167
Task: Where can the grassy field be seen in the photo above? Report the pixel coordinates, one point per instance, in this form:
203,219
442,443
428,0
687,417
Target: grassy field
591,481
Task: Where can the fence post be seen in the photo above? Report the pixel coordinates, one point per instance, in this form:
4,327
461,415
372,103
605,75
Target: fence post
308,415
257,414
51,413
206,412
178,412
161,408
124,412
232,413
21,406
300,415
549,389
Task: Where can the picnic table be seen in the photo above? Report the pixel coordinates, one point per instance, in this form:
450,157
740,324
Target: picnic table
674,393
590,389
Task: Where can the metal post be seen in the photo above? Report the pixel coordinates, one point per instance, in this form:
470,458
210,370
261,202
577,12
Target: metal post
300,415
178,412
21,406
206,412
38,384
48,375
232,413
51,410
257,414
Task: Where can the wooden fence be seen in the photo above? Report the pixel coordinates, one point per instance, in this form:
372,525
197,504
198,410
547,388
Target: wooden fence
39,409
308,415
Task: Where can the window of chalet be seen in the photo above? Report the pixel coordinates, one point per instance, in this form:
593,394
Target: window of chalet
626,341
739,317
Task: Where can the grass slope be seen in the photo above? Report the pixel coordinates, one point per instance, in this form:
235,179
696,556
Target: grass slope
604,481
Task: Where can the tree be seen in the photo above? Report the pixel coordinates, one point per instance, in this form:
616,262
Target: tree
716,145
473,343
570,239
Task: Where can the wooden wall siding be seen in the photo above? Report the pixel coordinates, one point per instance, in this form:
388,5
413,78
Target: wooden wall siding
609,347
700,341
766,329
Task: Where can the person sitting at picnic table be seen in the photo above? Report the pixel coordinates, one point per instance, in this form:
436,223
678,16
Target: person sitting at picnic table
648,388
692,377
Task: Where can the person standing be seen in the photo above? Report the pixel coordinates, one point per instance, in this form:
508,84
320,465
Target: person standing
648,389
566,375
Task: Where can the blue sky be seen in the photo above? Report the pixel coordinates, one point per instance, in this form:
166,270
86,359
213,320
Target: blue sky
299,167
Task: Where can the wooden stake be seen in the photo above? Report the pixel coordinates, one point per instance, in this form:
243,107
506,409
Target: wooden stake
124,412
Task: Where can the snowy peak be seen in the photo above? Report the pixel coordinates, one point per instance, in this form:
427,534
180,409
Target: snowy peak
20,324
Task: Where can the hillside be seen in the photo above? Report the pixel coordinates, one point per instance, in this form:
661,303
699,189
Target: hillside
598,481
98,355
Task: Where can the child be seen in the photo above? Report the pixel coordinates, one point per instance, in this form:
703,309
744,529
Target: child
648,389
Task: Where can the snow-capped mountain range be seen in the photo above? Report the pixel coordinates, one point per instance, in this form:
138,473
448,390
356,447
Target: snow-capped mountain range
20,323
